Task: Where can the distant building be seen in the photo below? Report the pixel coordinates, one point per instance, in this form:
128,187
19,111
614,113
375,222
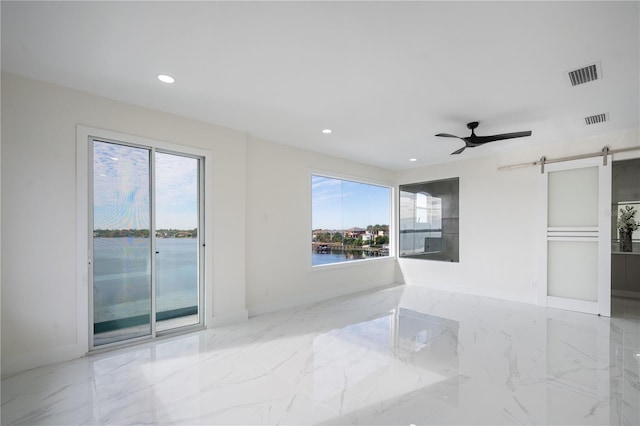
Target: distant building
354,232
315,233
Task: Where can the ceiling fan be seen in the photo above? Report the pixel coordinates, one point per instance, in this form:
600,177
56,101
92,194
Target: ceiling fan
474,140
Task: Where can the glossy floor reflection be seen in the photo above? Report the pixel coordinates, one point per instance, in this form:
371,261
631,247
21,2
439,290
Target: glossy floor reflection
404,355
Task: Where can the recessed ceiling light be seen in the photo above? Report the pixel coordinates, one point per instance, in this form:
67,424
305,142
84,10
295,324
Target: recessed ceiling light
114,158
413,159
166,78
327,131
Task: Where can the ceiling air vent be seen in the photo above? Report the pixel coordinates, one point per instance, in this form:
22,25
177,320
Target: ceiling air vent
584,75
595,119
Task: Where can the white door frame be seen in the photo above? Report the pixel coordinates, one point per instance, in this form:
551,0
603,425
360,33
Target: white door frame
601,234
84,135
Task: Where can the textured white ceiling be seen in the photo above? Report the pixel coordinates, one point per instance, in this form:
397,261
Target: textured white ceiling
385,76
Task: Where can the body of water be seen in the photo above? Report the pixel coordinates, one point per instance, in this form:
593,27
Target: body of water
122,276
337,256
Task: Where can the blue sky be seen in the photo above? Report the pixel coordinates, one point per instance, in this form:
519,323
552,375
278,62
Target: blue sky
176,192
121,193
121,189
342,204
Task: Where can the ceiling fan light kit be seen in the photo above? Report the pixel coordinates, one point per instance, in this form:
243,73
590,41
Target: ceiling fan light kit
475,140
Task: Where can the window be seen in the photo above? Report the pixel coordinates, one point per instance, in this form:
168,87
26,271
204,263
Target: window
429,212
350,220
429,220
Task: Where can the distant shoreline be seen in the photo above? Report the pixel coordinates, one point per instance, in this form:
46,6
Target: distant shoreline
144,233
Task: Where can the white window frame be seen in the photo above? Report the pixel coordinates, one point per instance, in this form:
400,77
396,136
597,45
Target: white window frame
355,179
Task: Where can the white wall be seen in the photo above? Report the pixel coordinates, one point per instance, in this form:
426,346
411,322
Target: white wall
499,214
261,196
279,230
40,303
261,219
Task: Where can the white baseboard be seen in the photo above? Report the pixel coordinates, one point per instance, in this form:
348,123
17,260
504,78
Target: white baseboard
530,299
229,318
307,299
27,361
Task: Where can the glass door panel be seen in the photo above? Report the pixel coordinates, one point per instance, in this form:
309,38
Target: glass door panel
177,241
573,198
573,269
121,243
572,260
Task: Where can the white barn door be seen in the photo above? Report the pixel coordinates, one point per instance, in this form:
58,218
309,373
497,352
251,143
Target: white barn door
576,250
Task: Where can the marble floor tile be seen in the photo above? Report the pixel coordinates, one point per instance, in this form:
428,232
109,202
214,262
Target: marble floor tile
398,356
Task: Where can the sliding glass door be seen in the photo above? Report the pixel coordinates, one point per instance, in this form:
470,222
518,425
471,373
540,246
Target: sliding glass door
177,259
145,244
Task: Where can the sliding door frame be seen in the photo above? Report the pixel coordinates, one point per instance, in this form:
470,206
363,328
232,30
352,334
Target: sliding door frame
84,208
